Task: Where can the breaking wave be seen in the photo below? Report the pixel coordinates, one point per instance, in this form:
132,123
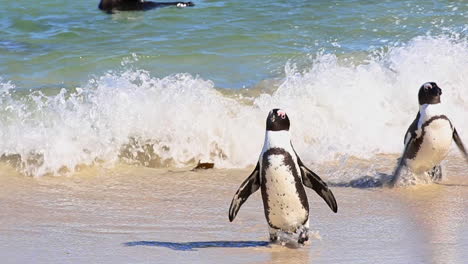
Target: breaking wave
338,106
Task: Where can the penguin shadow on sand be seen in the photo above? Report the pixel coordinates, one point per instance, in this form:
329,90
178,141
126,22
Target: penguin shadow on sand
193,246
366,182
384,180
451,184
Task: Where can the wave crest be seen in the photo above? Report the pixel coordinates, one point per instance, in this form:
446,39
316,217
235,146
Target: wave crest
337,106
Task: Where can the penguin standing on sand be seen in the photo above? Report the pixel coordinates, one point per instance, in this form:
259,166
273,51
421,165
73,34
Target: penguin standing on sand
280,174
428,138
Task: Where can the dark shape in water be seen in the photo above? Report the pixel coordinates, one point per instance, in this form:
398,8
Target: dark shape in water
137,5
366,181
203,166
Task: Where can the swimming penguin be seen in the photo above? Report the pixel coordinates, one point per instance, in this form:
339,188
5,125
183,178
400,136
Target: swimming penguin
280,174
428,138
136,5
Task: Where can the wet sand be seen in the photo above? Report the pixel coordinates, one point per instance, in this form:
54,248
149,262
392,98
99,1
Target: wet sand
143,215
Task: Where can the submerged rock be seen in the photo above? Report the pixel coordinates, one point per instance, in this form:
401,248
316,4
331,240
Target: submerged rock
203,166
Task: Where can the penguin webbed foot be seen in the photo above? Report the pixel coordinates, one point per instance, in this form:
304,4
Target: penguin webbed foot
303,237
406,177
291,239
436,173
273,238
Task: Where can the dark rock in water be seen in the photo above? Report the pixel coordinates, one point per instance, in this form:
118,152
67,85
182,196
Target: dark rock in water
137,5
203,166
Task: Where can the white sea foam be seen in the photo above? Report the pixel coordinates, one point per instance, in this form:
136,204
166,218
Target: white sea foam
366,108
336,108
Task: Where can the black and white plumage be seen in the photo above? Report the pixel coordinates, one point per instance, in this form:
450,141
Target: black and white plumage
428,138
280,174
136,5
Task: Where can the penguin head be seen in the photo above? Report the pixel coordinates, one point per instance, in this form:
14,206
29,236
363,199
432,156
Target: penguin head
277,120
429,93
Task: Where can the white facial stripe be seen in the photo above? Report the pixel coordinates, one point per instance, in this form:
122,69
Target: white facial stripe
282,114
427,85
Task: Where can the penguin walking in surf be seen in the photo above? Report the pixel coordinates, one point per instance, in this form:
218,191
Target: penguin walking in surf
428,138
281,176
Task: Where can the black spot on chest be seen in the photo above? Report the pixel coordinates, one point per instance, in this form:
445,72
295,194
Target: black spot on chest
288,161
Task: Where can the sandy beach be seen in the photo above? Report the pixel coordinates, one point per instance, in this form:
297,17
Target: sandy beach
142,215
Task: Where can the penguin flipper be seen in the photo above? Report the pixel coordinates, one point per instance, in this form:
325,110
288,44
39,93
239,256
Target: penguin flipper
313,181
411,131
249,186
459,143
401,163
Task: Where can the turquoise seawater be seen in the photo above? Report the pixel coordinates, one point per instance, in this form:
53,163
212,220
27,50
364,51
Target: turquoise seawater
172,86
235,44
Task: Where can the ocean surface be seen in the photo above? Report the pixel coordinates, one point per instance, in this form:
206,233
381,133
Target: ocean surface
172,86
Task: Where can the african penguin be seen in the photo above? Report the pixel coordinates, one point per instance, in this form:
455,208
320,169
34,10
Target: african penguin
428,138
136,5
280,174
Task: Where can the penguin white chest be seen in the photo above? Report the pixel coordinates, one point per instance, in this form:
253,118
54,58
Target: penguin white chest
285,208
435,145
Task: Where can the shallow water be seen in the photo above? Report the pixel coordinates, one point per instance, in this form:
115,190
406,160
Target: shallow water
144,215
